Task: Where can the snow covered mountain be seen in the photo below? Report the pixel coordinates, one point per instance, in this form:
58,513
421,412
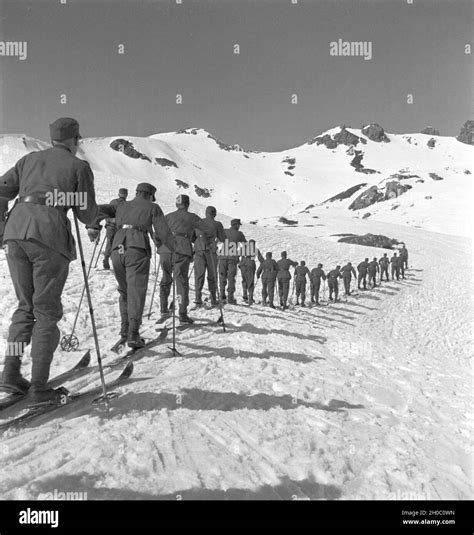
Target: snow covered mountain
415,179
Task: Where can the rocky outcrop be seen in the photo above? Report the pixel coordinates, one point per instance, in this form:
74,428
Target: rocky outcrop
375,133
430,131
375,194
371,240
431,143
127,148
347,193
181,184
357,164
343,137
164,162
286,221
434,176
202,192
467,133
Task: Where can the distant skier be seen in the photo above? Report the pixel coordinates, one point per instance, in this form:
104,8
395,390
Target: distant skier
404,256
284,278
333,282
247,268
301,272
228,260
347,271
268,269
182,224
205,255
131,254
384,262
111,227
373,269
395,266
362,277
316,275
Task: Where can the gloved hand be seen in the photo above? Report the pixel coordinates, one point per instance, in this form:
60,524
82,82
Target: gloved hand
93,234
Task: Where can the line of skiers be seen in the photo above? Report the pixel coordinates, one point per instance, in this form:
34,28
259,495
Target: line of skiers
39,246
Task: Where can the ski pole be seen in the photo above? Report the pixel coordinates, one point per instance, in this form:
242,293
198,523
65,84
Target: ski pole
154,290
215,268
71,342
173,349
100,250
105,397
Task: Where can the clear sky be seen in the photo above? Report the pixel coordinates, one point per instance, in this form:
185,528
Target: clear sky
245,98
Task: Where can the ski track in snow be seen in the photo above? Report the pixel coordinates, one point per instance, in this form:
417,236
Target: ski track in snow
369,398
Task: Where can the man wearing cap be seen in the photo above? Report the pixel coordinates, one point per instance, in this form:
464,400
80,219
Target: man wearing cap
131,253
39,247
248,268
182,224
229,259
268,269
205,255
316,275
111,227
284,277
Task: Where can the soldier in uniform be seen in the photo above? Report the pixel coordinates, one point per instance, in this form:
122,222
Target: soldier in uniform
362,277
39,247
131,254
300,281
316,275
228,261
284,278
3,217
347,271
268,269
183,225
333,283
248,268
384,262
404,257
395,266
111,227
373,269
205,255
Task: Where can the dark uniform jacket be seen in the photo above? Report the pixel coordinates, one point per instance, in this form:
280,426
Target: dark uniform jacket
300,273
268,269
404,252
110,221
39,173
234,236
373,266
394,260
211,230
384,261
247,264
284,265
316,274
362,267
182,224
347,271
334,275
141,213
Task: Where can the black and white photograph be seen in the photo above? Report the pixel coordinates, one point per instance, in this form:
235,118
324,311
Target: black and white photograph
236,257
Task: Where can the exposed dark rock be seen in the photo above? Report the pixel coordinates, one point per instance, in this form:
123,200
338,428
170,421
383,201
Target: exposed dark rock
371,240
165,162
467,172
347,193
428,197
467,133
288,160
375,133
366,215
286,221
403,176
288,173
434,176
344,137
375,194
421,180
181,184
430,131
357,165
202,192
127,148
431,143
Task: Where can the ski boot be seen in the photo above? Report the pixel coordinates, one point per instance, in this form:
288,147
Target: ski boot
39,396
185,319
106,264
12,380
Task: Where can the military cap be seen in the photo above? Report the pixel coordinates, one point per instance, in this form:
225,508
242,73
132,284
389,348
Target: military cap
123,191
146,188
235,222
182,199
64,128
211,210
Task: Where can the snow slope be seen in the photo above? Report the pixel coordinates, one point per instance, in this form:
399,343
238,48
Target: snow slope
370,398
